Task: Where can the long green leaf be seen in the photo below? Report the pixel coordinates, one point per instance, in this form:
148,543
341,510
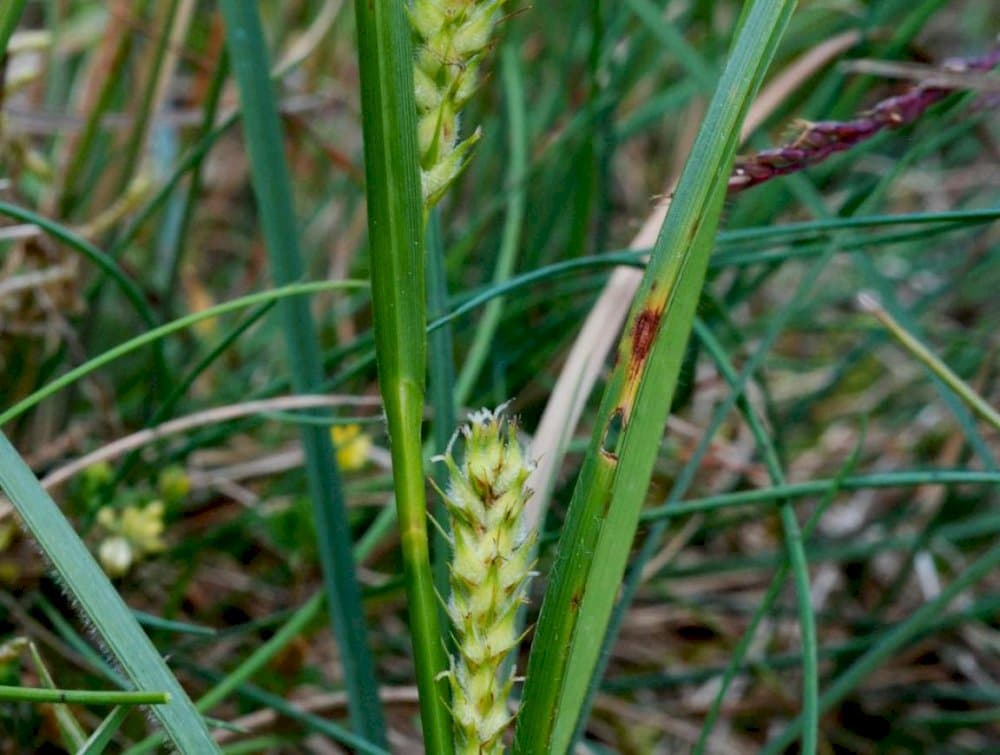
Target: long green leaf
396,238
272,187
100,603
611,488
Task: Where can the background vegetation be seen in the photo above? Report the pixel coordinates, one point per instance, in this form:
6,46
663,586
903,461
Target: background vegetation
128,201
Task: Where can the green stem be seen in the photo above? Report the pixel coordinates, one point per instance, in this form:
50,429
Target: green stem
396,238
81,696
510,241
926,357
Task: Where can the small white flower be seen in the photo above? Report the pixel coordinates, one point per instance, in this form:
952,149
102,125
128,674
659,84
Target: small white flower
116,556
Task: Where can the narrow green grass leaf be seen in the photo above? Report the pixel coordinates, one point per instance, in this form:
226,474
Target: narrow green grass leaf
396,240
98,741
262,297
931,361
892,642
272,187
100,603
479,351
903,479
311,721
612,485
103,261
72,733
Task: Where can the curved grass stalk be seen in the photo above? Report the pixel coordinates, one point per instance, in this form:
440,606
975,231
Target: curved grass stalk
100,259
893,640
925,356
173,326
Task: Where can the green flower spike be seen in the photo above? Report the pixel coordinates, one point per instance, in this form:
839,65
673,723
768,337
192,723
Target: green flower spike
452,36
490,569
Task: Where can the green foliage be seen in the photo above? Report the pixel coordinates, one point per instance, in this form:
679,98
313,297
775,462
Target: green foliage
816,522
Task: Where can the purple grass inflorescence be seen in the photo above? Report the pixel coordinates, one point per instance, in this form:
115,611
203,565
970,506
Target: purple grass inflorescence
818,141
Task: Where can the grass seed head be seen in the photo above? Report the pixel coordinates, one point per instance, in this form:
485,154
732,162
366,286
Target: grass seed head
490,568
452,38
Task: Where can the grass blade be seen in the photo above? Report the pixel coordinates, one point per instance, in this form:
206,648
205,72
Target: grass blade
103,734
925,356
893,640
150,336
612,484
100,603
103,261
264,140
479,351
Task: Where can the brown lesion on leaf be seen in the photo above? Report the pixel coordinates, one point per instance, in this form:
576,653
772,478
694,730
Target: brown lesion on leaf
644,331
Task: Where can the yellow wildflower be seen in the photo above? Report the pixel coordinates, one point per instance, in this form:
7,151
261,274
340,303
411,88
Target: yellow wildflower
135,532
352,446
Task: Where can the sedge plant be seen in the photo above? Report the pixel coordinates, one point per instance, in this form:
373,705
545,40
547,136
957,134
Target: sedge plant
561,164
412,90
605,512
